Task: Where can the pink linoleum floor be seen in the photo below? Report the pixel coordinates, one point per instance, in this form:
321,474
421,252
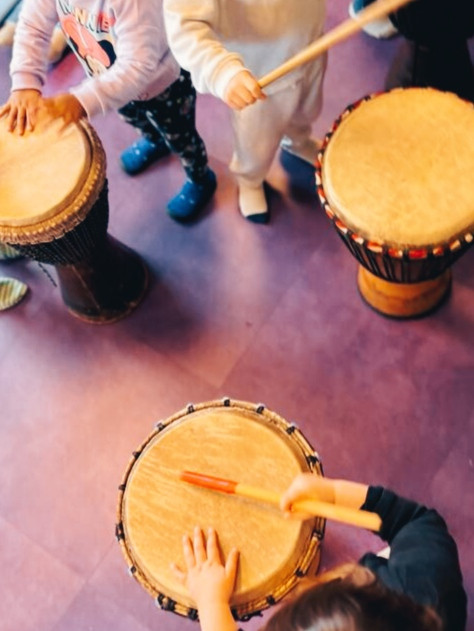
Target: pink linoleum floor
259,313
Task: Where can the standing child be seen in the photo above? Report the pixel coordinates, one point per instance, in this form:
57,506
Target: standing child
122,46
418,588
227,45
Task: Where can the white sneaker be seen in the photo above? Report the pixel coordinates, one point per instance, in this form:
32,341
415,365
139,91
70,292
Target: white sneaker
252,203
380,29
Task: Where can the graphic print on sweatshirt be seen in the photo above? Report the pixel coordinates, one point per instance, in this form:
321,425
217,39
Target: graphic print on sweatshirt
90,36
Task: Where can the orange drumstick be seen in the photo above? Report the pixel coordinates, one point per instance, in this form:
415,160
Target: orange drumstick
354,517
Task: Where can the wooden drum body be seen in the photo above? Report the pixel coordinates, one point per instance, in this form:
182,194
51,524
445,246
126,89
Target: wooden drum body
228,439
54,209
395,178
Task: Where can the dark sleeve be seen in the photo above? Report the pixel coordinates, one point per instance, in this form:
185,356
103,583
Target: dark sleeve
423,561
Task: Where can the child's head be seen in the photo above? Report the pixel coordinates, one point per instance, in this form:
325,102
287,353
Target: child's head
356,601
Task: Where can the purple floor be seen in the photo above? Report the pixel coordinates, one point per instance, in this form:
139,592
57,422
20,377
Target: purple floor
259,313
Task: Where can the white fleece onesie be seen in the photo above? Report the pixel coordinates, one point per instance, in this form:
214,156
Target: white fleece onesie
216,39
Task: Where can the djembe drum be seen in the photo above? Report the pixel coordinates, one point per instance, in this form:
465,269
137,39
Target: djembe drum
230,439
54,209
395,177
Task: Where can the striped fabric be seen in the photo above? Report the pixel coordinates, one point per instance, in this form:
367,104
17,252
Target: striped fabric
12,291
7,252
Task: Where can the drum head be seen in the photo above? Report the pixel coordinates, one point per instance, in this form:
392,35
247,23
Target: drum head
41,172
398,168
233,441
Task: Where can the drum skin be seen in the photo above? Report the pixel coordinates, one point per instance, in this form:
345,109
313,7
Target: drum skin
394,178
233,440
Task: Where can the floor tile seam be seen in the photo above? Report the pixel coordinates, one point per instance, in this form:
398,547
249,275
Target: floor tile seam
44,549
81,580
87,584
180,367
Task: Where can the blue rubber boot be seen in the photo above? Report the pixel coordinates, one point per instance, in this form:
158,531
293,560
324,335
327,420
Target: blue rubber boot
192,198
141,154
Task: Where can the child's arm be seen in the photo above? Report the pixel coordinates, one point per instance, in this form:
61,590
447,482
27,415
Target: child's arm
209,582
35,26
311,486
190,27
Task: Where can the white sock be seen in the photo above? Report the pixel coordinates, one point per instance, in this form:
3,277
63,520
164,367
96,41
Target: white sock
252,200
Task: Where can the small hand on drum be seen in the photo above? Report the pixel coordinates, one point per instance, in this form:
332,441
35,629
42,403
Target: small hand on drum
65,106
21,110
206,577
24,106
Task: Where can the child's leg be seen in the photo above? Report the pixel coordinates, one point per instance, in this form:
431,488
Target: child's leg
258,130
173,115
149,147
297,138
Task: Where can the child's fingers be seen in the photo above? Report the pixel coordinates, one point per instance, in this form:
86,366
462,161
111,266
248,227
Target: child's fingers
188,552
31,119
20,122
198,544
180,575
212,548
232,564
301,487
297,515
11,119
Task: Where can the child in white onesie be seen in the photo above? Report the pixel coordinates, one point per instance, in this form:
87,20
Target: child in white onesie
227,45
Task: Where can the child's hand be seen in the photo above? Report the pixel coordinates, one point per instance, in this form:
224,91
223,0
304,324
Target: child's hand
311,486
21,110
242,90
307,486
209,581
65,106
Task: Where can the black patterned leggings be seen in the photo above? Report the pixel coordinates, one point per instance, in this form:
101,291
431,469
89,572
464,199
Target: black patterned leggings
170,117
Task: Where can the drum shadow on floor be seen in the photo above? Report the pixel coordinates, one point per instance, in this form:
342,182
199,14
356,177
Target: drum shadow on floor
301,178
163,316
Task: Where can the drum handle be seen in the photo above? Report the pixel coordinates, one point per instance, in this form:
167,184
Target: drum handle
341,32
352,516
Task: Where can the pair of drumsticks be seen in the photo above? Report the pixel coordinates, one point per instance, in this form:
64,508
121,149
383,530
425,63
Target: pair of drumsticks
354,517
341,32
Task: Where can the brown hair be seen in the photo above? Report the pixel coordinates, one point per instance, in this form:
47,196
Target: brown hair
354,600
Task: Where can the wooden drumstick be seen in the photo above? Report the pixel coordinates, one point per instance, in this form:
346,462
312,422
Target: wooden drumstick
354,517
341,32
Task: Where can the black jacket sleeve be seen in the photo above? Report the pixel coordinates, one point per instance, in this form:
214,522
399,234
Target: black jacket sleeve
423,561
